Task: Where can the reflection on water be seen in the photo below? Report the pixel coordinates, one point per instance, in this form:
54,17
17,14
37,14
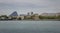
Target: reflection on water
29,26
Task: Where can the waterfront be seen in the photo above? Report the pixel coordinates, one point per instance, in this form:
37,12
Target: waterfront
29,26
31,16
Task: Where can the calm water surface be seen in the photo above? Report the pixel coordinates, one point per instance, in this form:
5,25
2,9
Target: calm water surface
29,26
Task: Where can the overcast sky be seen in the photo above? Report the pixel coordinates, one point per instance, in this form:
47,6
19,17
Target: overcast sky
24,6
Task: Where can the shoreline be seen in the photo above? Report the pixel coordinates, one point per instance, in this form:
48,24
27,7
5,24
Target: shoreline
34,20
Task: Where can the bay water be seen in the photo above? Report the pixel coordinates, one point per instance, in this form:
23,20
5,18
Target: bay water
29,26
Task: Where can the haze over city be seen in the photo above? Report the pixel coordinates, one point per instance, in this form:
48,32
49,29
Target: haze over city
24,6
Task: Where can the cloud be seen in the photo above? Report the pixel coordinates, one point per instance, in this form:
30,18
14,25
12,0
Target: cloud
20,2
29,5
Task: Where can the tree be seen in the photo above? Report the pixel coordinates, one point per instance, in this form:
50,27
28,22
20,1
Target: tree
3,17
58,17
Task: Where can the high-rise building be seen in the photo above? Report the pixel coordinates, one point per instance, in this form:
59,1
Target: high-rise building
28,13
31,13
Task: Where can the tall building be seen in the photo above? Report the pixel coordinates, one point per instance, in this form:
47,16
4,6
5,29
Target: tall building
28,13
31,13
14,14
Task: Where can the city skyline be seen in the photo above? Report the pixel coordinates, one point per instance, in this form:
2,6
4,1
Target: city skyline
25,6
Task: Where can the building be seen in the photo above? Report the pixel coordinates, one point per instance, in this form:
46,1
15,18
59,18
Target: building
14,14
26,16
50,14
35,17
30,13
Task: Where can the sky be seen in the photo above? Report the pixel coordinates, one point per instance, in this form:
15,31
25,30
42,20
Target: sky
24,6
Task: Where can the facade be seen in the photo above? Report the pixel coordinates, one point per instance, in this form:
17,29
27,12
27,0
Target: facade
28,17
20,17
35,17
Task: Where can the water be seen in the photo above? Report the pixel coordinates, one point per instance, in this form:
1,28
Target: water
29,26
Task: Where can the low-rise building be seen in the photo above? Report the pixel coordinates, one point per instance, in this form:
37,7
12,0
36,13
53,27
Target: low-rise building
20,17
50,14
35,17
